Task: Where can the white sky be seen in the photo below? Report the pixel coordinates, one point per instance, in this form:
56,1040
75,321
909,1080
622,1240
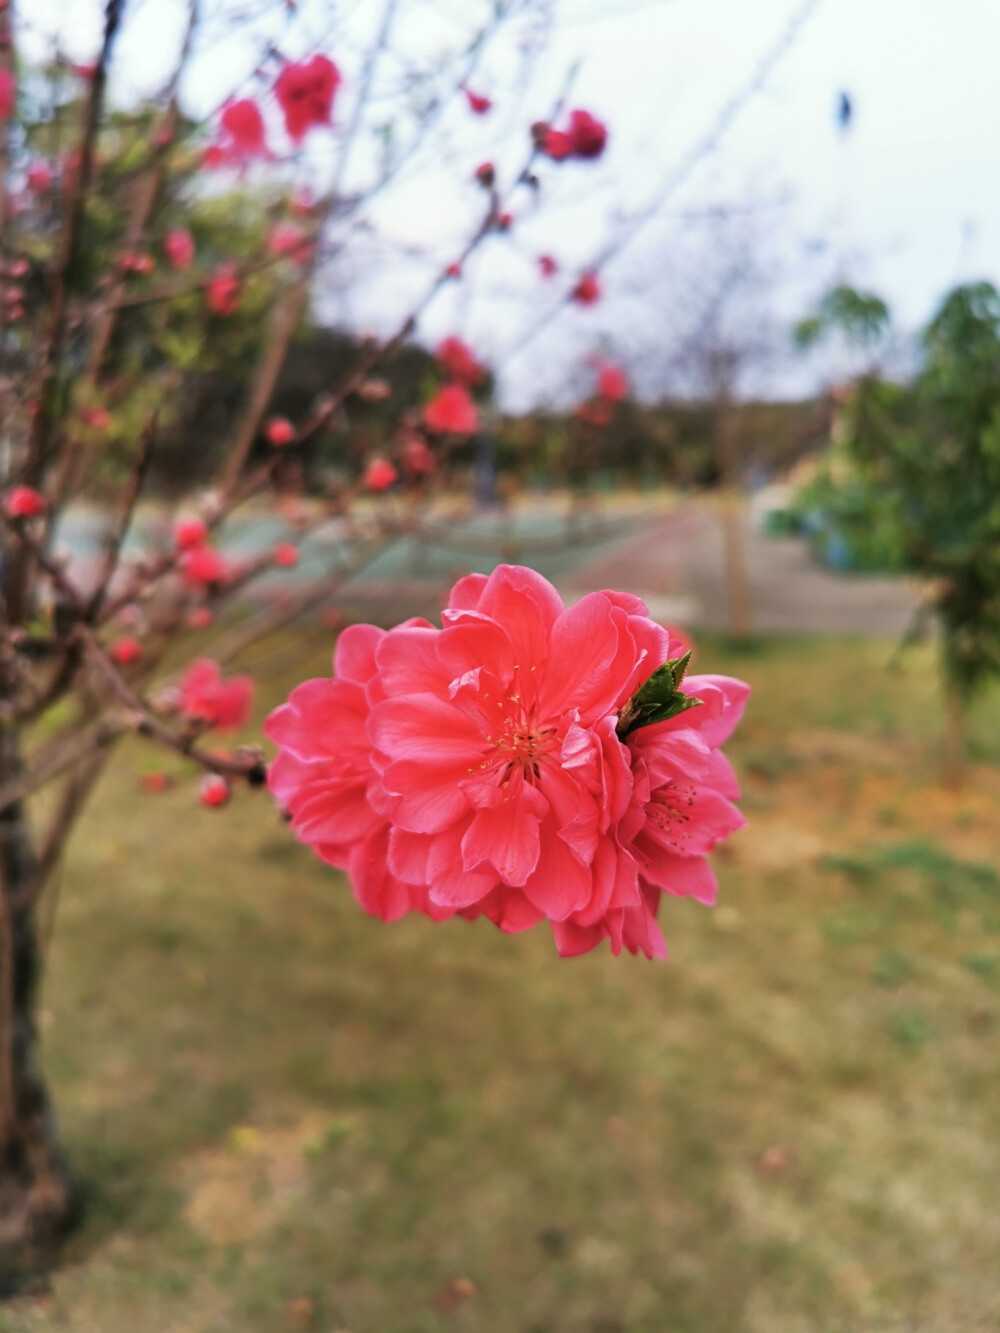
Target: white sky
908,204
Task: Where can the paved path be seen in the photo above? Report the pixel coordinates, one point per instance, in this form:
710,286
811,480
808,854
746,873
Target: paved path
672,557
676,564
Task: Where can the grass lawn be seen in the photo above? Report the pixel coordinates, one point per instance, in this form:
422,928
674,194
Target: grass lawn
289,1116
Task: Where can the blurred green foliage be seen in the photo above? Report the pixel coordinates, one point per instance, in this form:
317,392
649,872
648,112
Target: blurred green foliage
912,482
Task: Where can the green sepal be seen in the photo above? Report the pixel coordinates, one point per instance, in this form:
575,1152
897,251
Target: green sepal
659,699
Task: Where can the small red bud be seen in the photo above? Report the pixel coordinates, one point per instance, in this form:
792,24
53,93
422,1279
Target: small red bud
280,432
214,791
23,502
200,617
285,555
125,651
190,533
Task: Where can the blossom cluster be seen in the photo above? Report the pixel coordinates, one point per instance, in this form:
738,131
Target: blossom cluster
483,769
305,92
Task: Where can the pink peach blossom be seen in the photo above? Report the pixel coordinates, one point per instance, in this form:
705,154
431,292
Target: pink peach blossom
458,362
179,248
203,565
479,768
452,411
222,704
305,91
324,776
379,475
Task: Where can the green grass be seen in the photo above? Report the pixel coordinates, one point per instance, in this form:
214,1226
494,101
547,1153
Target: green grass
287,1115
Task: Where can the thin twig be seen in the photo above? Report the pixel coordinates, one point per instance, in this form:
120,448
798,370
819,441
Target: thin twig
145,721
133,490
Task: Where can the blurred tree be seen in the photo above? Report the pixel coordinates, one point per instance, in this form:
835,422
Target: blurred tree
914,479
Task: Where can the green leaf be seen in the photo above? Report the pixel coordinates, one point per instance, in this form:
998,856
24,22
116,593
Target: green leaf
659,699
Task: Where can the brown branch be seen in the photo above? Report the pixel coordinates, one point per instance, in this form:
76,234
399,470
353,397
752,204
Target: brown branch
8,1102
59,757
133,490
70,240
45,562
146,723
172,288
284,322
240,638
77,788
676,177
44,419
289,312
7,69
148,188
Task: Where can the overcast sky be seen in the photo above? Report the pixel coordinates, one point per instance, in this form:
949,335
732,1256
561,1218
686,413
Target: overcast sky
907,202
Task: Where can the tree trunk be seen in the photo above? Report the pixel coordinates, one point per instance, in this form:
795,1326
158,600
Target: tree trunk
38,1199
733,520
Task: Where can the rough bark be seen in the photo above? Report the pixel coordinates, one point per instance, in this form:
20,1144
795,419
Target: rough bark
38,1198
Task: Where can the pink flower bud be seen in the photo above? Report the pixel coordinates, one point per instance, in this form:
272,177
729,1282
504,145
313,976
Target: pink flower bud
40,176
280,432
587,291
125,651
478,104
285,555
458,362
203,565
23,502
179,248
199,617
305,91
452,411
223,290
190,533
214,791
379,475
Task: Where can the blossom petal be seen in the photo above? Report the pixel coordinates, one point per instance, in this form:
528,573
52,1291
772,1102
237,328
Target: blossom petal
408,853
354,655
322,719
582,647
466,593
527,606
725,699
427,729
573,940
430,797
685,877
407,662
506,835
450,884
